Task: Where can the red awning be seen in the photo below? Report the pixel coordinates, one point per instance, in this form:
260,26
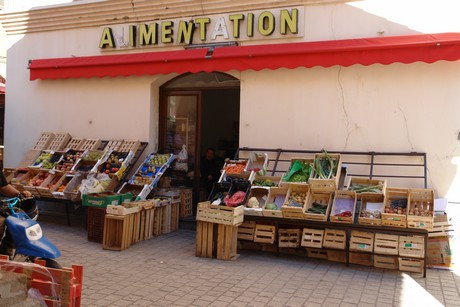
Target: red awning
406,49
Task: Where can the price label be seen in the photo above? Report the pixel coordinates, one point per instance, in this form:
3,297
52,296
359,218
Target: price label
362,246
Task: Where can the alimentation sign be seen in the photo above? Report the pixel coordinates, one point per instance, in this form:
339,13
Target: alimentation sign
256,25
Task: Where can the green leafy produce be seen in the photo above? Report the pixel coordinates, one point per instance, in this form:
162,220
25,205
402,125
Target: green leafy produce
299,172
325,166
271,206
361,188
264,183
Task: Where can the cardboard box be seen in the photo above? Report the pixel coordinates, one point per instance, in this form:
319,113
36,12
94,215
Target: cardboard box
439,252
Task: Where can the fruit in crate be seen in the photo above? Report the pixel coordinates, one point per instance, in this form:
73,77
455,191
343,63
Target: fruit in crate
141,180
53,182
117,157
93,155
38,180
44,156
297,199
234,168
396,206
421,209
158,160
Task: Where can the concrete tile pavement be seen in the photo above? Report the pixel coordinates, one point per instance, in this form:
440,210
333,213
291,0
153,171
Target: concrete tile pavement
164,271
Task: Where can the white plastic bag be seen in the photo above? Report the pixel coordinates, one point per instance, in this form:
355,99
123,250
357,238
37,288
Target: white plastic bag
181,163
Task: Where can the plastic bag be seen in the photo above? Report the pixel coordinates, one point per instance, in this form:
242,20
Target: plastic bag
181,163
296,166
95,184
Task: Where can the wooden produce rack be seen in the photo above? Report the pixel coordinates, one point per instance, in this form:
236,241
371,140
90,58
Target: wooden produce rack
356,243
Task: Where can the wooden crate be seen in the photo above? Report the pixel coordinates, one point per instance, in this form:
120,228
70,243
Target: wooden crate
118,232
58,287
355,183
289,238
51,184
361,259
312,238
146,223
114,145
264,233
362,241
32,187
246,231
442,229
91,144
175,216
59,142
323,198
386,262
44,141
371,204
386,244
23,180
395,219
261,194
337,256
186,202
335,238
326,185
316,253
204,239
276,195
219,214
95,218
227,237
158,221
420,212
130,145
303,161
412,246
411,265
344,201
295,190
75,143
166,219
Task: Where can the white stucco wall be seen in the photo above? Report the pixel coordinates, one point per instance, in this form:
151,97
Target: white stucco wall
396,107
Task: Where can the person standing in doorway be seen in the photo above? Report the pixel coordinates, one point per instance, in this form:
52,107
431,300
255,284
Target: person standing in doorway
210,169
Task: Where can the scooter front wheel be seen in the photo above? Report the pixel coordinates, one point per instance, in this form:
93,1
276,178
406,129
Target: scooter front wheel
51,263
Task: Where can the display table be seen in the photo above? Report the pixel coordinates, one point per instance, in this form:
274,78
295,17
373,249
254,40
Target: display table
348,228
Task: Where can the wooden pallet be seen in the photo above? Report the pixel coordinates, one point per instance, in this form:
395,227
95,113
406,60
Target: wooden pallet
412,246
44,141
59,287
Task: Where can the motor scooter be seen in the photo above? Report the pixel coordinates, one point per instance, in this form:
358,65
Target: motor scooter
23,239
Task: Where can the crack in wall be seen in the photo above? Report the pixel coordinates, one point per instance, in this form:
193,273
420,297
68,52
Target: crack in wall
407,127
344,109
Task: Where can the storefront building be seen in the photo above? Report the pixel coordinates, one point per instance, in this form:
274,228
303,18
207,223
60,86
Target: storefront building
338,75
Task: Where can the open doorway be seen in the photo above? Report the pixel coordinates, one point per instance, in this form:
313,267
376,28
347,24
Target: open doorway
198,112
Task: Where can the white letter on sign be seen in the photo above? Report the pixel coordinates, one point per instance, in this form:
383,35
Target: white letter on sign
220,29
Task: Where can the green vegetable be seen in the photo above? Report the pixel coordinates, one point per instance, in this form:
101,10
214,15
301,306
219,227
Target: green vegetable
299,172
271,206
360,188
325,166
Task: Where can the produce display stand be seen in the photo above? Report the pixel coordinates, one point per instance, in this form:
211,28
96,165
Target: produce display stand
419,237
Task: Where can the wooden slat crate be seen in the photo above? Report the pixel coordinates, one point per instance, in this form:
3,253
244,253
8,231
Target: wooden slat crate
91,144
227,237
114,145
129,145
175,216
299,194
361,186
246,231
204,239
75,143
371,209
59,142
51,184
442,229
95,224
344,201
322,198
335,238
412,246
158,221
58,287
146,223
395,219
386,262
316,253
420,209
362,241
264,233
361,259
327,185
289,238
337,256
44,141
186,202
220,214
166,219
118,232
411,265
386,244
312,238
276,195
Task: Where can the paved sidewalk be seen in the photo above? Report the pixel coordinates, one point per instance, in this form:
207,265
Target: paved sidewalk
164,271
